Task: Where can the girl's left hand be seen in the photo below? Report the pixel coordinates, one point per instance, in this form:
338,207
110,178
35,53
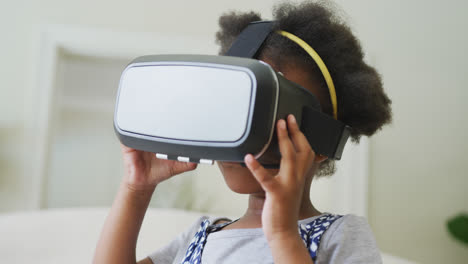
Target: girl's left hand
283,192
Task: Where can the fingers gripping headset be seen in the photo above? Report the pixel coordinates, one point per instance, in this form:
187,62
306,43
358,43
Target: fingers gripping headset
202,108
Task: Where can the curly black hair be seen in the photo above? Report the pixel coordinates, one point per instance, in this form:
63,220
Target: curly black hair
362,102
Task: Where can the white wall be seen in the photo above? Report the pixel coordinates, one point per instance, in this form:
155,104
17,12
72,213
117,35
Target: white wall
417,173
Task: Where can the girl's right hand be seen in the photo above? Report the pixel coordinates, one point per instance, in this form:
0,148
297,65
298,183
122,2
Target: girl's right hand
143,171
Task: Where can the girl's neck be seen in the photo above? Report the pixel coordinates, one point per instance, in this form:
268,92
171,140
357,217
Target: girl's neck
253,215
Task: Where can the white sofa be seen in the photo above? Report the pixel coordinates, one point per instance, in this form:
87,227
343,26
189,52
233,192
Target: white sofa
70,235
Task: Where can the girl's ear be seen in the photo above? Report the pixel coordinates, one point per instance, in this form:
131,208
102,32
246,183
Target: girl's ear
320,158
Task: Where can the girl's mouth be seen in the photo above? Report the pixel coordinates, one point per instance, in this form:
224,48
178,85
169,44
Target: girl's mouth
232,164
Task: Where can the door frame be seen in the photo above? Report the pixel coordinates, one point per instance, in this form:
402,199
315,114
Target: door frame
53,40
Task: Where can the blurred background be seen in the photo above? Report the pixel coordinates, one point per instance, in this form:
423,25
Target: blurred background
61,63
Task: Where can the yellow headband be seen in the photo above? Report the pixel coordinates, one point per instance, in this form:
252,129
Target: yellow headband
320,64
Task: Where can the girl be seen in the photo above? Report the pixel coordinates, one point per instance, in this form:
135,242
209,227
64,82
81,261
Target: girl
281,224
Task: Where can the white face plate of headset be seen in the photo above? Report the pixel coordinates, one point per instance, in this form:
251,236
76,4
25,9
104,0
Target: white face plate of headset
185,102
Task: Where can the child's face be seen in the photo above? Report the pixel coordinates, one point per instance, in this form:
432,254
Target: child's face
238,178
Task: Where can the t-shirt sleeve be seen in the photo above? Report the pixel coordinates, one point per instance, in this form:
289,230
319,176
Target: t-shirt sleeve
168,253
348,240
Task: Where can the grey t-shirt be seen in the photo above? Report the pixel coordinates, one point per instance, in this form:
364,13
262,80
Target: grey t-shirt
348,240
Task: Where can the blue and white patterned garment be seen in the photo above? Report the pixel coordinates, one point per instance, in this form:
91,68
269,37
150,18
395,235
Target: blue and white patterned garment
311,234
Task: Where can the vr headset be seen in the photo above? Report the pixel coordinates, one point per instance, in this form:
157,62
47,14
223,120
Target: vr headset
202,108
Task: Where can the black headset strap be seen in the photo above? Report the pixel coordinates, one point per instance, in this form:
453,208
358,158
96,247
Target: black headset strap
251,39
333,133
